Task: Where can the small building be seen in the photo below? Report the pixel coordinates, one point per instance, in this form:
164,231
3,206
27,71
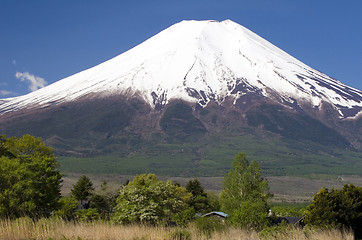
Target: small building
295,221
220,215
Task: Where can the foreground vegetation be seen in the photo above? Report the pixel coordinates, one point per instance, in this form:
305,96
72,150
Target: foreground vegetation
57,229
30,203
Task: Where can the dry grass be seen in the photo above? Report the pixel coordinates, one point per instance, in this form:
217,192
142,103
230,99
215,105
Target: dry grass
298,234
23,229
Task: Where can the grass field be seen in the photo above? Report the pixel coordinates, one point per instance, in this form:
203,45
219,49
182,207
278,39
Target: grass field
56,229
213,155
295,170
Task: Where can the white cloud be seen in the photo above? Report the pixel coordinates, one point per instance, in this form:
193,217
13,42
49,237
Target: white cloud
14,62
5,93
34,82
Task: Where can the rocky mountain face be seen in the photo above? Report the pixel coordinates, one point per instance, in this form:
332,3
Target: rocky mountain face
192,82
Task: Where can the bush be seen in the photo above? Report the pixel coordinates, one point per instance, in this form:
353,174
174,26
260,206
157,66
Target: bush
67,208
184,217
180,235
149,200
208,225
87,215
276,232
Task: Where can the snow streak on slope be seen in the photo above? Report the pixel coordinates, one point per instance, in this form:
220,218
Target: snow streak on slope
199,61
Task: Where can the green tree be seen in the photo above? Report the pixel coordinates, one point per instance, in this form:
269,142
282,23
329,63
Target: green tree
28,146
244,195
337,208
29,178
87,215
67,208
213,200
199,200
104,200
4,151
100,203
83,189
149,200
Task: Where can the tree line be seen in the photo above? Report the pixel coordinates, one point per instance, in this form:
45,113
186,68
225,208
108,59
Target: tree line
30,184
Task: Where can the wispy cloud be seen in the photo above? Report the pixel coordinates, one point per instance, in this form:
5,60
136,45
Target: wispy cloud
6,93
34,82
14,62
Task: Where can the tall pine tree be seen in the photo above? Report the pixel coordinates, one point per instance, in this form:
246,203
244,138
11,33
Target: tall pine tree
83,190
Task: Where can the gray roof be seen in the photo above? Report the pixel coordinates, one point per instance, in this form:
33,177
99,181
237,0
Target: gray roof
221,214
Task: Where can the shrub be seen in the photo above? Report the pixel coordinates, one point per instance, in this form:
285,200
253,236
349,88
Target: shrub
180,235
276,232
67,208
184,217
149,200
208,225
87,215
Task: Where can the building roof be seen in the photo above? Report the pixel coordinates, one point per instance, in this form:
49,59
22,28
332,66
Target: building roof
221,214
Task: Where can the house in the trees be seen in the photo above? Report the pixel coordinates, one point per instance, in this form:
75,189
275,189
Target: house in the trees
220,215
295,221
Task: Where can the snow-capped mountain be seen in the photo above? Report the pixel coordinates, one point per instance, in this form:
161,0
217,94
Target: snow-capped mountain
200,62
185,99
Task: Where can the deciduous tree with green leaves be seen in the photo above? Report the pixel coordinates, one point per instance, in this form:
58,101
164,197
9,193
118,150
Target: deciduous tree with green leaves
29,178
339,208
244,196
147,199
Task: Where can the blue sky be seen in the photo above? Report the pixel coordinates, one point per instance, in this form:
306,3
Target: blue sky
43,41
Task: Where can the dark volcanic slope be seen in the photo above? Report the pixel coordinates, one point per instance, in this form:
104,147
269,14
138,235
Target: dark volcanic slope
125,135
